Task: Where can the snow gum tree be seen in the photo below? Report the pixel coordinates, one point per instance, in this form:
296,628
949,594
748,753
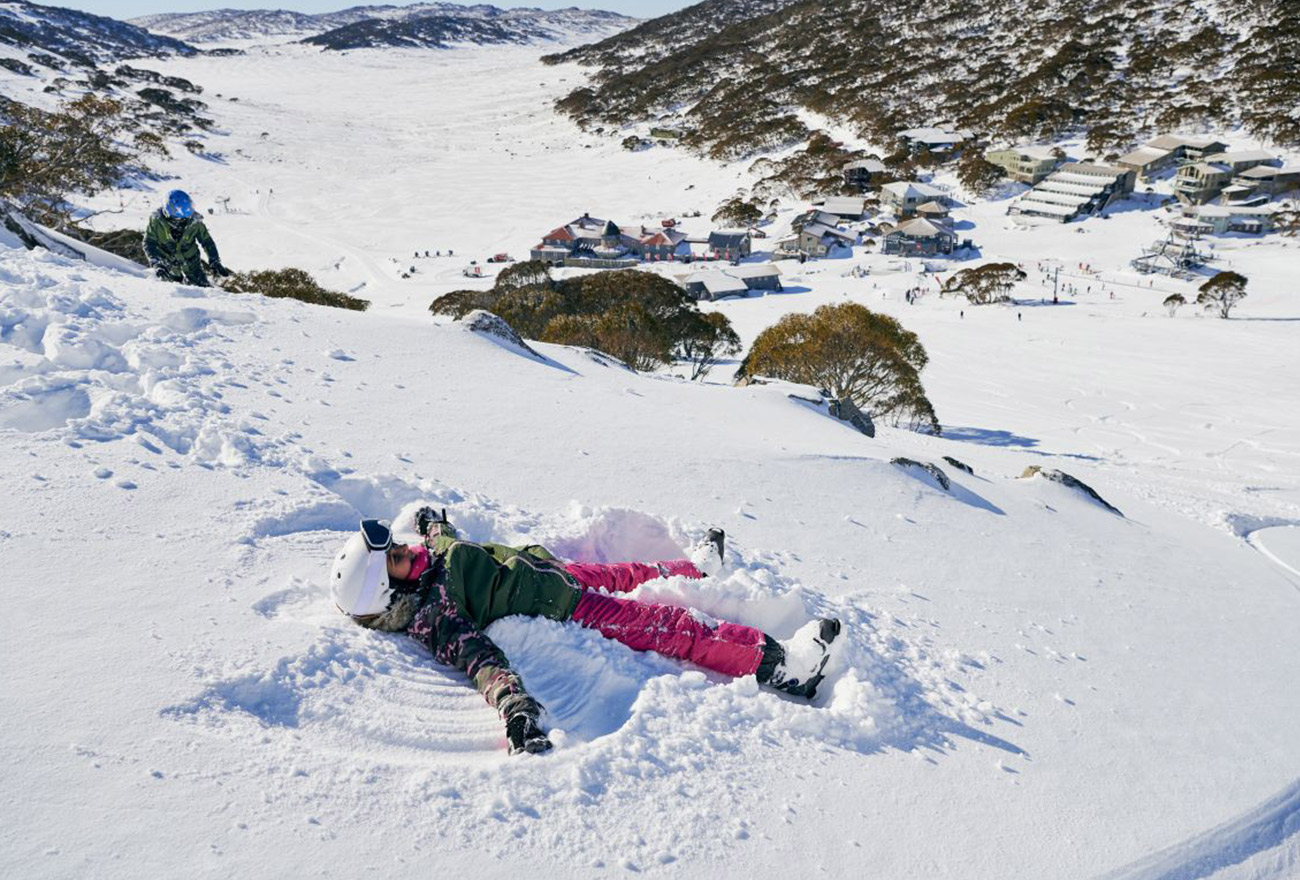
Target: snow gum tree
990,283
703,339
82,148
1174,302
1222,292
978,174
851,353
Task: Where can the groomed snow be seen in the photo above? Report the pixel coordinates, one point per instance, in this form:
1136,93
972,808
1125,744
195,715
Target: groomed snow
1028,685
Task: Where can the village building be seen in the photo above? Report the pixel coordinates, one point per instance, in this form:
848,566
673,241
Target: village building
932,210
845,208
1028,164
934,140
862,172
1201,182
758,276
1076,189
712,284
814,239
903,197
1204,181
584,238
814,215
919,238
1167,151
654,245
596,243
1147,162
731,244
1185,147
1195,221
1263,180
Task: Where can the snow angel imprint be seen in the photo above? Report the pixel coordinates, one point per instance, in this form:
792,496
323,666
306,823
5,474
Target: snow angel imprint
445,591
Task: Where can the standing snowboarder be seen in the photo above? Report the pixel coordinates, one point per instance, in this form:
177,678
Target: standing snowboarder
172,242
445,591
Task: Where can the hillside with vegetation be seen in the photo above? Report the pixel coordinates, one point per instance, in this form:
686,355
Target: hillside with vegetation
1065,67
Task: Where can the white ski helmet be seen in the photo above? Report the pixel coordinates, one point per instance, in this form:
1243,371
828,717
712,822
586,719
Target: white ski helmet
359,579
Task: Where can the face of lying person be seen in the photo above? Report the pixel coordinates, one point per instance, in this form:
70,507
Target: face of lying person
399,561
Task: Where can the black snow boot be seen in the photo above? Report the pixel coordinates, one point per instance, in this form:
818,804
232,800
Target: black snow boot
525,736
796,666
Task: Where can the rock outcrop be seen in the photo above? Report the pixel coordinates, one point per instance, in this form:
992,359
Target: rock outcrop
933,470
1072,482
959,465
487,324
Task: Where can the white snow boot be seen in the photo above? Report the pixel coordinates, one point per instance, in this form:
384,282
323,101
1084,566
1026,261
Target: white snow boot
796,666
709,556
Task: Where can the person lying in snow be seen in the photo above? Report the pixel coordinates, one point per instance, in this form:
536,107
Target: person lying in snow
445,591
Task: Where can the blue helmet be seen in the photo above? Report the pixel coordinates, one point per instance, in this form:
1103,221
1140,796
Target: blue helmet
178,205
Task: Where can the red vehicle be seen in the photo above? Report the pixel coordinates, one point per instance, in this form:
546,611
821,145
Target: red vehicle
500,258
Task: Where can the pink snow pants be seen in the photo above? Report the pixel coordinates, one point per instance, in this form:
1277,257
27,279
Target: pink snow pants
730,648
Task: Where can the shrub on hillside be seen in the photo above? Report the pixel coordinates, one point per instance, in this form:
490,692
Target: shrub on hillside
990,283
292,284
641,318
850,352
127,243
738,212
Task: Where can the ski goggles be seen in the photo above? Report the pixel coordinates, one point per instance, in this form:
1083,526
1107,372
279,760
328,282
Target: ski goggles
378,534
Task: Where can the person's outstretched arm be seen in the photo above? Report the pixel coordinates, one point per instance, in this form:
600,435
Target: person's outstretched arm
454,639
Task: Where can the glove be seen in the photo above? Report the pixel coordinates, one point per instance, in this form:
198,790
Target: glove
426,518
163,273
525,736
219,270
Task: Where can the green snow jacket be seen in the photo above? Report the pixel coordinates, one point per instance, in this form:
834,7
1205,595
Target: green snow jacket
173,246
491,581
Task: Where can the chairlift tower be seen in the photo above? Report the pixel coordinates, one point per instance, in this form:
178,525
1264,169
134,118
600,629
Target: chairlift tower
1176,256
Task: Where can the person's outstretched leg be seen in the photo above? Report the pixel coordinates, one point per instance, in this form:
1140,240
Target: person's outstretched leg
680,633
624,577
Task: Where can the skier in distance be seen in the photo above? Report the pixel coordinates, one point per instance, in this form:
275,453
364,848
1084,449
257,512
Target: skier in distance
445,591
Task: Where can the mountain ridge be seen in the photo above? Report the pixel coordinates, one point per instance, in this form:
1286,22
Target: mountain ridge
1065,67
370,26
81,37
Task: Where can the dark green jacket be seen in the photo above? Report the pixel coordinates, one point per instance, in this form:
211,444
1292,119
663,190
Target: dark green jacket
173,246
491,581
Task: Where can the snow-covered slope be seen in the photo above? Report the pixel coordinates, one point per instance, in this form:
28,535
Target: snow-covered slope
1008,71
1028,686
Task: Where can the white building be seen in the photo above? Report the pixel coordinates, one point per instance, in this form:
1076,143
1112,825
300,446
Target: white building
903,197
1076,190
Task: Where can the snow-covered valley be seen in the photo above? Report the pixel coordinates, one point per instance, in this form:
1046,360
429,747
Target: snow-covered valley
1029,685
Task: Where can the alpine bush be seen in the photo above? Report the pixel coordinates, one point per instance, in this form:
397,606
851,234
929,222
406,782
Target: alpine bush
850,352
292,284
641,318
